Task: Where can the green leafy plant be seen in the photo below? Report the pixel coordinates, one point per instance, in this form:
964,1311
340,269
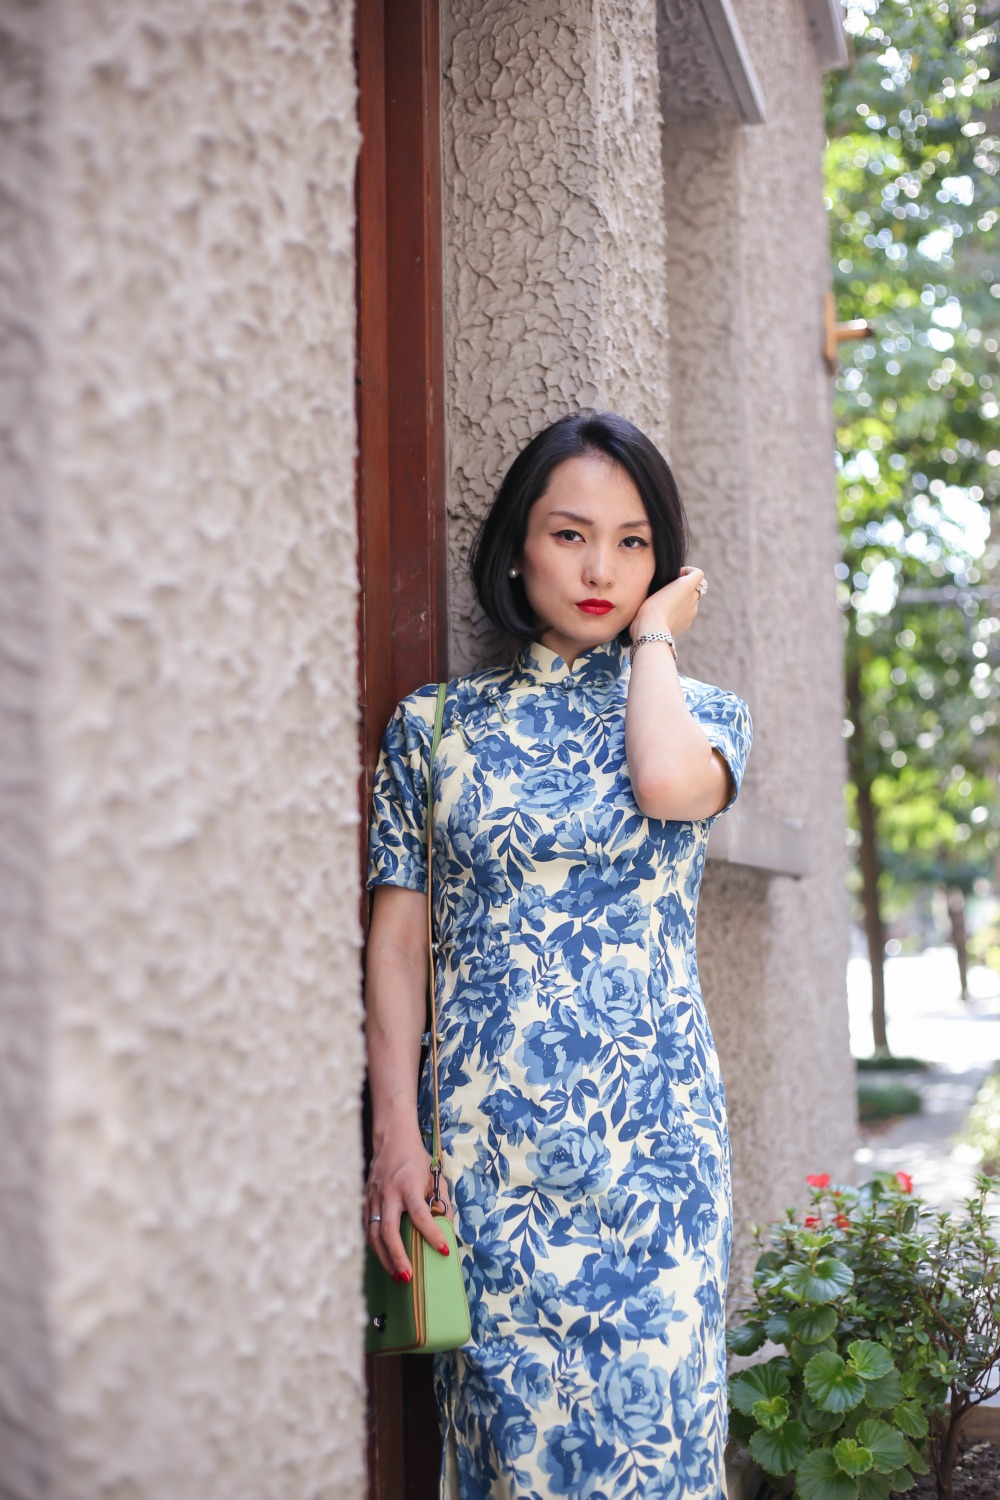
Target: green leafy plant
889,1064
887,1314
886,1099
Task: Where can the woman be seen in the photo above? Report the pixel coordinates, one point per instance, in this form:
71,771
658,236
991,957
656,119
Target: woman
583,1115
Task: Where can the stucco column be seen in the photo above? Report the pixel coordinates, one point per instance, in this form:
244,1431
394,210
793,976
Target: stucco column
709,417
182,1061
553,239
26,1354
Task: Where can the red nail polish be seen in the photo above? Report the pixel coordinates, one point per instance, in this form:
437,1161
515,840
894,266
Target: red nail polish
397,1276
405,1276
443,1250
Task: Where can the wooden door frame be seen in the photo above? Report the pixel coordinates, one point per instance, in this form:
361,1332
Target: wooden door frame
402,541
400,359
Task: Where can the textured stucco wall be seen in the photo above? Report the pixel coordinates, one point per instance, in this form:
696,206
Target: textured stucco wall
201,980
553,244
571,244
25,1353
752,444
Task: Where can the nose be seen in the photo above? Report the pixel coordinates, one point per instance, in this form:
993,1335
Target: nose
598,565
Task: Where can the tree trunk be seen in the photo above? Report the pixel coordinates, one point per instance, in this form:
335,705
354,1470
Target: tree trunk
947,1450
959,935
874,926
868,856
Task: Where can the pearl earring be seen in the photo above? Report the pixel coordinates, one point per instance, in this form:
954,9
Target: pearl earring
511,572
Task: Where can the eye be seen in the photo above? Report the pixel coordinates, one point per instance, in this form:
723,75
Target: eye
634,542
567,534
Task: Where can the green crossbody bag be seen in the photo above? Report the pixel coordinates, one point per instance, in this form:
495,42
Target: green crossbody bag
430,1313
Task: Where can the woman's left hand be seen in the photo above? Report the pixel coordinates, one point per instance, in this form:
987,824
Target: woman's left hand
674,607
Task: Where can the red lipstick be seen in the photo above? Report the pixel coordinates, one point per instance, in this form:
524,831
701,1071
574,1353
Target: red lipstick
595,606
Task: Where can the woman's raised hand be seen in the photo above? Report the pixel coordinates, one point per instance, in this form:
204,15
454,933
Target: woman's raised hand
399,1182
674,607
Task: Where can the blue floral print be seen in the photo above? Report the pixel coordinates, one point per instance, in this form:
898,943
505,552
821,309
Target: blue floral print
570,1161
583,1116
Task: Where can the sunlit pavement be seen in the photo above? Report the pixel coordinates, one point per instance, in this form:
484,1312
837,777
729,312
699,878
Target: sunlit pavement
926,1018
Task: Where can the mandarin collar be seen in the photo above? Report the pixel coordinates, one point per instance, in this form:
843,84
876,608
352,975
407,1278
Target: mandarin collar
597,667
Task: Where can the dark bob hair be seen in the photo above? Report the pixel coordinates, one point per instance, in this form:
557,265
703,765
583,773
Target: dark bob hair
501,536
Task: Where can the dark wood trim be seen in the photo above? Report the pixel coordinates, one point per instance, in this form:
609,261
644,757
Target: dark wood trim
402,612
403,616
372,388
385,1401
416,352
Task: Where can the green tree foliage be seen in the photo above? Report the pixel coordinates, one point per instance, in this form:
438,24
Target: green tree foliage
913,191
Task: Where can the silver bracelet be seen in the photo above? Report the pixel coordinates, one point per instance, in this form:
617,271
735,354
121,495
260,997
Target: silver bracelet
653,635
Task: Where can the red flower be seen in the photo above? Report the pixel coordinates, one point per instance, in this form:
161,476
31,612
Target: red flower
905,1182
842,1221
820,1180
813,1221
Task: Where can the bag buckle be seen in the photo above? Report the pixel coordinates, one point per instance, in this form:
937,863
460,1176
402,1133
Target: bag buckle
438,1206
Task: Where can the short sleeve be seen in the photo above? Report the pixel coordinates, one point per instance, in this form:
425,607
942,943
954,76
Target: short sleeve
397,853
726,721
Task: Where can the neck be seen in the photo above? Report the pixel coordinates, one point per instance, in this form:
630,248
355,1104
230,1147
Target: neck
569,649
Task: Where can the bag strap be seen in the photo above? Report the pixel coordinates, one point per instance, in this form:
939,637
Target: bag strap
437,1203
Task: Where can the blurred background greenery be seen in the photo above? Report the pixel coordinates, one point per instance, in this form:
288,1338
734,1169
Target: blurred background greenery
913,194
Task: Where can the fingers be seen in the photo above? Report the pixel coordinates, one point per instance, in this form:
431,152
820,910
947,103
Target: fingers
429,1226
388,1245
673,607
698,585
374,1235
385,1208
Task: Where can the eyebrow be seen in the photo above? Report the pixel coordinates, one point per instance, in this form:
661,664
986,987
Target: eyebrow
589,521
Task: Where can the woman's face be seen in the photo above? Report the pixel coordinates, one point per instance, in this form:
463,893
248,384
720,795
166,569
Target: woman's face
587,561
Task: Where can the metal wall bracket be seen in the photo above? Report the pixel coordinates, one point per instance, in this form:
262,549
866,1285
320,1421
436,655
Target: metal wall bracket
835,333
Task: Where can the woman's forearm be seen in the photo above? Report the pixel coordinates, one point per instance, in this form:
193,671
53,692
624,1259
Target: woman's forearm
395,1001
399,1179
675,771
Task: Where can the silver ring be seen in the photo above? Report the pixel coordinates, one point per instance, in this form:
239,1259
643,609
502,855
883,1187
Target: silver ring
374,1218
703,586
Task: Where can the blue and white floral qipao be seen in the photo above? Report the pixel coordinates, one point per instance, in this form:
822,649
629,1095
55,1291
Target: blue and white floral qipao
583,1114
